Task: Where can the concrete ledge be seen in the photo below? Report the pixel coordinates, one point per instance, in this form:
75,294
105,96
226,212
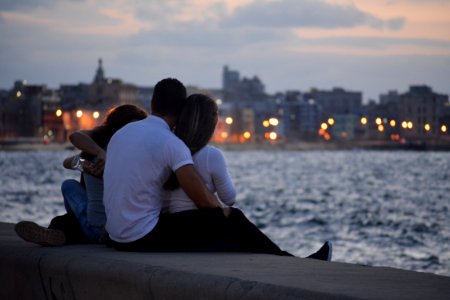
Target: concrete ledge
28,271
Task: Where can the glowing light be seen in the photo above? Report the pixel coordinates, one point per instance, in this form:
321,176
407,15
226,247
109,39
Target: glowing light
273,121
58,113
266,123
96,114
380,128
393,123
405,124
410,125
273,135
79,113
378,121
427,127
444,128
224,134
324,126
18,94
395,137
247,135
327,136
331,121
364,120
229,120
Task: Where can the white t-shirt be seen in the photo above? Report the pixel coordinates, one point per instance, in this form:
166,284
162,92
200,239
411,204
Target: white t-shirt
210,164
139,160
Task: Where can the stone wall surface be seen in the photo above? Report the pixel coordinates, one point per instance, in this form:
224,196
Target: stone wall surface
29,271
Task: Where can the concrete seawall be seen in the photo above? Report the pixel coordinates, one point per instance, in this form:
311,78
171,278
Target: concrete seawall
28,271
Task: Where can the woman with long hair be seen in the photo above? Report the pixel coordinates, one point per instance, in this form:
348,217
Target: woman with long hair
209,229
83,199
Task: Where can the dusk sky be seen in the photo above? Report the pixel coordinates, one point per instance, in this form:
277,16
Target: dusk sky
366,45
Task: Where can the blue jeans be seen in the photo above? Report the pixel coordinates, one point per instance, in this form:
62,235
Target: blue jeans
76,201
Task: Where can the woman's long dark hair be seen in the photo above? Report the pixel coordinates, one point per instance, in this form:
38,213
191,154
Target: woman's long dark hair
195,127
116,118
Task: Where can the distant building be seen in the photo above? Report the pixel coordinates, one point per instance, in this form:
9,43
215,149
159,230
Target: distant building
236,89
420,112
107,92
390,97
300,117
22,111
336,102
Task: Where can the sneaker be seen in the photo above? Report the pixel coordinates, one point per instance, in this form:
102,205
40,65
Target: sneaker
32,232
324,253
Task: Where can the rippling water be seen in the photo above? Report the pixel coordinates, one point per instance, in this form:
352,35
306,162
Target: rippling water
378,208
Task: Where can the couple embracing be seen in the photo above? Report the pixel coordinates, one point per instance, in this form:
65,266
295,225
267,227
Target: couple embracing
161,177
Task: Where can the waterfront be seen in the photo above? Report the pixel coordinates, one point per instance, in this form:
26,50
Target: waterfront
379,208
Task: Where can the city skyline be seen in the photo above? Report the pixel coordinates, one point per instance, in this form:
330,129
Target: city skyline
370,47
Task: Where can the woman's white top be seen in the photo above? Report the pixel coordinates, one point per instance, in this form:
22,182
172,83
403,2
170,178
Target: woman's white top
210,164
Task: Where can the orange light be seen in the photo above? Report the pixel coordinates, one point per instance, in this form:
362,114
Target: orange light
58,113
224,134
266,123
380,128
79,113
427,127
393,123
247,135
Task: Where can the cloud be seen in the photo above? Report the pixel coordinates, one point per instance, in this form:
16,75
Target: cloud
306,13
376,42
14,5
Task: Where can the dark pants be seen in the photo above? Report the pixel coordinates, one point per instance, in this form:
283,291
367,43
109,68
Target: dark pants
203,230
68,223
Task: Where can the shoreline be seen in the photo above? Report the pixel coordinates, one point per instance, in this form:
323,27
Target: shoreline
291,146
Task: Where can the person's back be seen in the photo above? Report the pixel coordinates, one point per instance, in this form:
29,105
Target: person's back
133,181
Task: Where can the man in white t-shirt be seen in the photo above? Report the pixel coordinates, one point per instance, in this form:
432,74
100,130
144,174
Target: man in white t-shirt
140,158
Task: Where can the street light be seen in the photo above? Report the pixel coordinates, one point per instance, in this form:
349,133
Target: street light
273,121
229,120
378,121
58,112
364,120
79,113
331,121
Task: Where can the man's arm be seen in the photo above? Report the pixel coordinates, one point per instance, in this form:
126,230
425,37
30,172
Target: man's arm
194,187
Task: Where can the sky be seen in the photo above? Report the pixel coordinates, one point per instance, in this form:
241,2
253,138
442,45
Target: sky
371,46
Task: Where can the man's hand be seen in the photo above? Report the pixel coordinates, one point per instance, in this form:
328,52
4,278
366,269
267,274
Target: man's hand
194,187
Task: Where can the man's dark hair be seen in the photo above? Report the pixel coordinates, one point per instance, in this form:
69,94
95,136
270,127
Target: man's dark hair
169,97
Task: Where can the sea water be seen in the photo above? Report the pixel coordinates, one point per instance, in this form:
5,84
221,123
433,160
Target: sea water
379,208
